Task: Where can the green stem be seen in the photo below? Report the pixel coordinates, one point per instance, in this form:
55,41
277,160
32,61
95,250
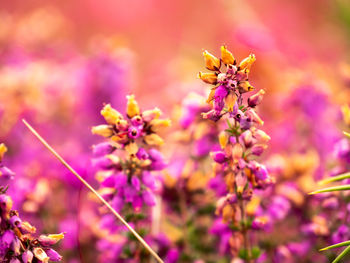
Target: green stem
245,233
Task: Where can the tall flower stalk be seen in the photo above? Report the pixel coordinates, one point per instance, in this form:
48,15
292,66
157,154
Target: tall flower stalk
241,142
17,240
127,166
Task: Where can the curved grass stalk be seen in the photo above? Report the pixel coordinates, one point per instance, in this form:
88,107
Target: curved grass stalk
342,244
334,179
332,189
117,215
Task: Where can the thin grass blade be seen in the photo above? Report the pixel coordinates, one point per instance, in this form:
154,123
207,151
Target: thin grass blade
334,178
332,189
342,244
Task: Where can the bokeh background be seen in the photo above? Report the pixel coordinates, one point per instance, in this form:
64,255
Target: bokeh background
60,60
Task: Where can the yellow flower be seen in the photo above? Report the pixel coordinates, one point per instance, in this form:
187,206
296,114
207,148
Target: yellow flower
153,139
210,78
40,254
246,63
211,62
227,56
156,124
223,139
230,101
102,130
111,115
149,115
245,86
132,107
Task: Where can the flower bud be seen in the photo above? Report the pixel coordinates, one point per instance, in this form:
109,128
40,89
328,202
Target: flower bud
247,138
16,246
5,203
256,98
230,101
244,86
211,62
132,108
111,115
210,78
223,139
227,56
134,132
6,173
219,156
102,130
103,163
246,63
142,154
153,139
258,149
149,115
212,115
137,121
27,228
27,256
15,221
49,240
121,180
261,136
157,124
53,255
254,116
237,151
149,198
102,149
41,255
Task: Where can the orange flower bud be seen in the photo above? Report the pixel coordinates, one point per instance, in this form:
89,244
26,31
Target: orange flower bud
230,101
245,86
227,56
210,78
211,62
246,63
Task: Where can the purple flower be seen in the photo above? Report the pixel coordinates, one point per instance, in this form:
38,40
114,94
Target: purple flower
102,149
219,157
121,180
142,154
149,180
53,255
134,132
172,256
149,198
27,256
135,181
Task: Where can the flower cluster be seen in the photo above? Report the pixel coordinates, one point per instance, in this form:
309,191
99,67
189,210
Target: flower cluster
126,169
125,162
17,243
235,164
231,82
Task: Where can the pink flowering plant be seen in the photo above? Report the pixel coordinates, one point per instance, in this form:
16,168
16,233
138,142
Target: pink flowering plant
241,143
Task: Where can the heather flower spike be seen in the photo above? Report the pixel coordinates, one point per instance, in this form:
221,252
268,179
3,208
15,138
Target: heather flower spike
129,172
17,240
40,253
241,142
